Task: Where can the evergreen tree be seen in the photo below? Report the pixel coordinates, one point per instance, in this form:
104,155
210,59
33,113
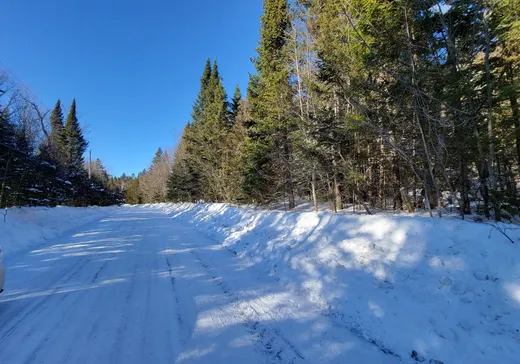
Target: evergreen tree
270,148
233,153
235,102
76,143
99,172
184,182
203,96
7,131
132,192
205,136
215,113
158,157
57,134
7,155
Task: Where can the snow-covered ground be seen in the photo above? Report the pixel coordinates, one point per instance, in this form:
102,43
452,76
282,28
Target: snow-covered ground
447,289
137,286
29,226
214,283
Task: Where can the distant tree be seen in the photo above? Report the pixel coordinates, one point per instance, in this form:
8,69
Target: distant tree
235,102
76,144
233,156
99,172
203,97
57,135
132,191
7,154
182,184
153,183
203,139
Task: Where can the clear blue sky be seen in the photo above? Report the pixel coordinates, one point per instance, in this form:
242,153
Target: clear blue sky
132,65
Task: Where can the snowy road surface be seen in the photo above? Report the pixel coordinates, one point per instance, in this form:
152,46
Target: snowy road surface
140,287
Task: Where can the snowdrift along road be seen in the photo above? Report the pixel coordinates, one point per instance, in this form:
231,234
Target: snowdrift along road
219,284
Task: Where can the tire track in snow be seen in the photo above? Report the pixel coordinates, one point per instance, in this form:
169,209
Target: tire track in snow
100,270
123,320
336,317
177,301
41,302
271,342
183,317
63,318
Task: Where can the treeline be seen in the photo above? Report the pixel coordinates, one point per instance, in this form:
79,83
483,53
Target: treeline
389,104
150,185
42,158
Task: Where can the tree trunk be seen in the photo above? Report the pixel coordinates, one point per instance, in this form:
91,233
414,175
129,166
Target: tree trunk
338,204
313,190
2,191
489,96
332,200
416,113
427,195
439,199
482,174
381,174
513,99
337,194
464,194
289,185
404,197
362,202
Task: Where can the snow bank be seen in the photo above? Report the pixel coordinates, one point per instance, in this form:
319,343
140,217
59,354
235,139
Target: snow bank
31,226
447,289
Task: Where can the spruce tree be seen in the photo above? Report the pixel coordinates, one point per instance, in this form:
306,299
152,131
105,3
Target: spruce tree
199,133
7,155
57,135
235,102
7,131
158,157
184,183
203,97
212,134
216,111
76,143
270,150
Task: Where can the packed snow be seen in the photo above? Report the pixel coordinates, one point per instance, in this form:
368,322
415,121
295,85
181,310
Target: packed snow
213,283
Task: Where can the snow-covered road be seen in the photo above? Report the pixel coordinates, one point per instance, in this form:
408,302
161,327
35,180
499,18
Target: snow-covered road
140,287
